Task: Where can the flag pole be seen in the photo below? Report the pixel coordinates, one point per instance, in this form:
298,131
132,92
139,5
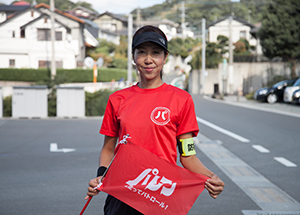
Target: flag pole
86,204
124,141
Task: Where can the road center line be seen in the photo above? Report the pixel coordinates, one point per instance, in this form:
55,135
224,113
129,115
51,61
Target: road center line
224,131
285,162
261,149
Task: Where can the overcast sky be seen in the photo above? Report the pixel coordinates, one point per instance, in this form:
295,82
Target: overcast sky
113,6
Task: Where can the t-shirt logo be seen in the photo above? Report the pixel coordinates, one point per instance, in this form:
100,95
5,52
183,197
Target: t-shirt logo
160,115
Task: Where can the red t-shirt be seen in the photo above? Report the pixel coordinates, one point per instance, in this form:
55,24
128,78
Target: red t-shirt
152,117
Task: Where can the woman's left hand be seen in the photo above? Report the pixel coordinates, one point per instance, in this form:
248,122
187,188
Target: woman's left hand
215,186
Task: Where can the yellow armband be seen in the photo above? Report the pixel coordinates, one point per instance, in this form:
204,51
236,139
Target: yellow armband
186,147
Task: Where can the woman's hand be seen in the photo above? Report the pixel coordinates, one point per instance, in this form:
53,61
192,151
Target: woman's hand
215,186
91,189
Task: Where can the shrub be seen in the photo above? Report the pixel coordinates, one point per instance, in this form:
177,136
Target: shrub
7,109
95,103
62,75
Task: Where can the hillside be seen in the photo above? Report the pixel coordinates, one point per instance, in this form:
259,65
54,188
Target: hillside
195,10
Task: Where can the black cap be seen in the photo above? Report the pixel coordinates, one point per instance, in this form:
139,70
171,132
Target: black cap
150,37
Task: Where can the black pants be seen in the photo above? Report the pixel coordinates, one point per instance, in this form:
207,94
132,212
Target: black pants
114,206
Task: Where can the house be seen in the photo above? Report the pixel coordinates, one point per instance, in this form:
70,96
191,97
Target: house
240,29
83,12
93,28
7,10
26,42
167,26
113,23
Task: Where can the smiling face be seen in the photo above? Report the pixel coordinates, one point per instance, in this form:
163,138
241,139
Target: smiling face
149,59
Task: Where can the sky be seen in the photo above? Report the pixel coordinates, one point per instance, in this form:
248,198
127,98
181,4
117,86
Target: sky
113,6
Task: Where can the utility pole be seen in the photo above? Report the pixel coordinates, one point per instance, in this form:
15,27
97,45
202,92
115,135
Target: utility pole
129,54
230,66
138,18
53,65
203,58
183,20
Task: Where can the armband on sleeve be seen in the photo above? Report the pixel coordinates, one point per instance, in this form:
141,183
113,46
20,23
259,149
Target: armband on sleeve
186,147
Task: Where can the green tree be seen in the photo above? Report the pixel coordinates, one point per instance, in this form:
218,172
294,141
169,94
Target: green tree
223,43
213,56
279,34
178,46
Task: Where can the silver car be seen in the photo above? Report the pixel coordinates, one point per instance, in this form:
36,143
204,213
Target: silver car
288,92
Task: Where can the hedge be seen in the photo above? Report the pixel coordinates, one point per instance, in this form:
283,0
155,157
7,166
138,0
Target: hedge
65,75
95,103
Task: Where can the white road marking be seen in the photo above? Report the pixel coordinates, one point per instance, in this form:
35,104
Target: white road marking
54,148
285,162
222,130
263,192
261,149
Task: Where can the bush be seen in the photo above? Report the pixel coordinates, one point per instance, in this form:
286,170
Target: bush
250,96
52,103
7,109
62,75
30,75
118,62
95,103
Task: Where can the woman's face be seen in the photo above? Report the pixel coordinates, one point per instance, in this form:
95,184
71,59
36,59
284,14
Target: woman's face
149,59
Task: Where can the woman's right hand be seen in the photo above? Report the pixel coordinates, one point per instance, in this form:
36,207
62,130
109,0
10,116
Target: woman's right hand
91,189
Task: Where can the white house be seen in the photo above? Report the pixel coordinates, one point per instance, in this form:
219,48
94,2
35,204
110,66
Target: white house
25,40
167,26
112,22
7,10
240,29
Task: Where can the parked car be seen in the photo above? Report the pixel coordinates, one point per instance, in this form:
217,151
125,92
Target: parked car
274,93
296,97
288,92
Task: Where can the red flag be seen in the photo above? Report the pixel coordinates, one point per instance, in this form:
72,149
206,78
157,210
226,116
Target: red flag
151,184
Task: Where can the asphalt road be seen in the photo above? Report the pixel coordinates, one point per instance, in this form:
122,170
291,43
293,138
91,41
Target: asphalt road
36,180
279,133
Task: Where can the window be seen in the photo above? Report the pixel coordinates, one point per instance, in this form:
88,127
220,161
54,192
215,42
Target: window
12,62
243,34
22,34
13,34
58,35
47,64
45,35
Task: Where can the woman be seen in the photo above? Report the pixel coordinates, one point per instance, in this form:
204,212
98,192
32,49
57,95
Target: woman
157,116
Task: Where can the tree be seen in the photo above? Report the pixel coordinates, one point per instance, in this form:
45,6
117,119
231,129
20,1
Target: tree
279,34
213,56
178,46
223,44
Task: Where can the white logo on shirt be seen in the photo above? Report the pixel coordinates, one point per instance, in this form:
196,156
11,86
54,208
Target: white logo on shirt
161,115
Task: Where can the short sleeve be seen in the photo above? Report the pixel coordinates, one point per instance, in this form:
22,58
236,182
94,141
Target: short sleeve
187,120
110,125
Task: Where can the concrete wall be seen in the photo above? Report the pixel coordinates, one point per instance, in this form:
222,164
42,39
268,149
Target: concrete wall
247,77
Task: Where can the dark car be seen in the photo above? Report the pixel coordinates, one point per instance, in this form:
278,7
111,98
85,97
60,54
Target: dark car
274,93
296,97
